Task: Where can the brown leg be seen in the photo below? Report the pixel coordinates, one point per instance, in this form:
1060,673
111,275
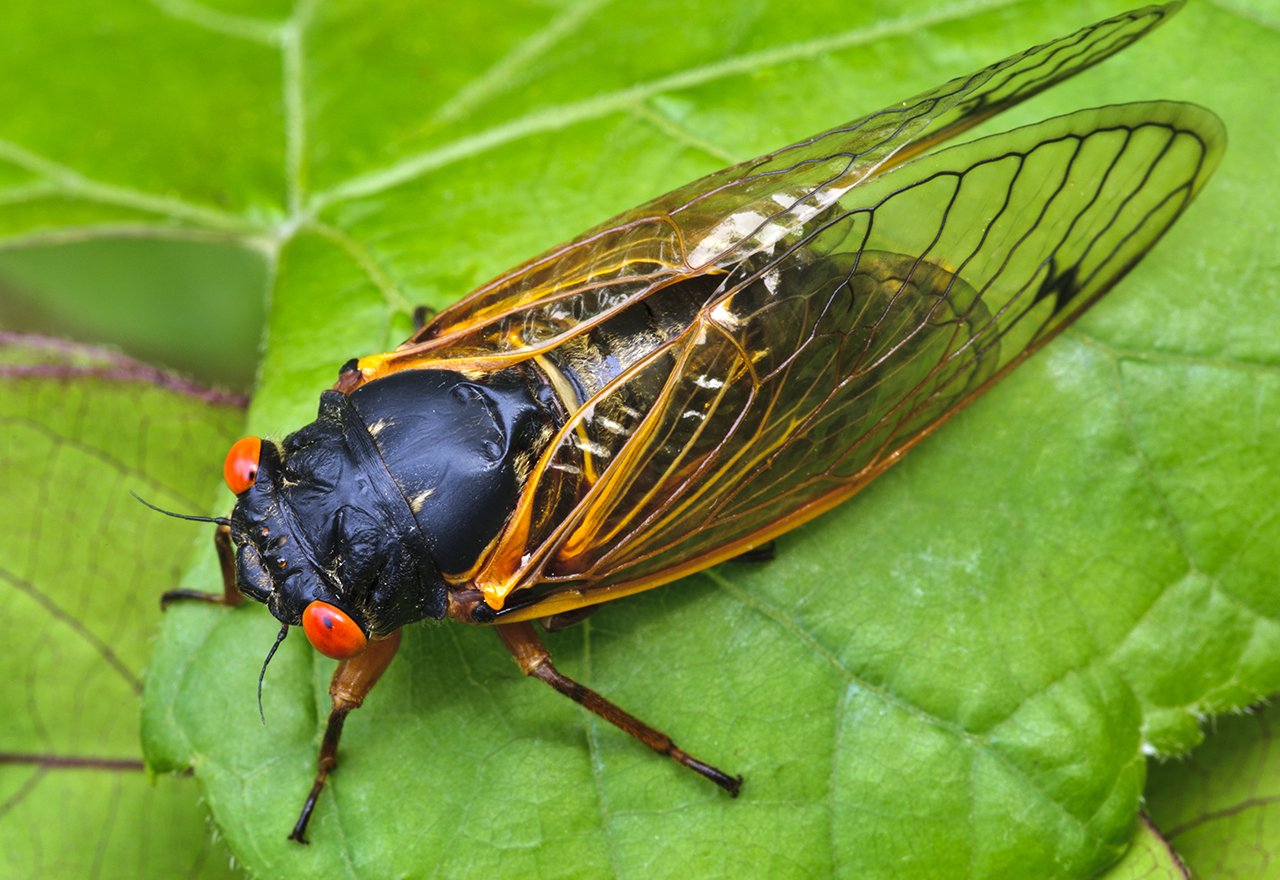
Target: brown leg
534,659
566,619
230,594
351,683
764,553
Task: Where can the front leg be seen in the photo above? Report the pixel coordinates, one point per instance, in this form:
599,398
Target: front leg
351,683
534,659
230,594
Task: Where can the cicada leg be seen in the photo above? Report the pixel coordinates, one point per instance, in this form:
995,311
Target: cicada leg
566,619
534,659
230,594
766,552
422,316
350,684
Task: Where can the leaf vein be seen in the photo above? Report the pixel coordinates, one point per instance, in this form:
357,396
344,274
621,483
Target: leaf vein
58,613
72,183
1252,16
242,27
563,115
978,743
364,257
646,112
502,75
1193,360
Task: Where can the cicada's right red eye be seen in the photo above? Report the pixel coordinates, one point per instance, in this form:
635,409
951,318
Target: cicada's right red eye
332,632
241,467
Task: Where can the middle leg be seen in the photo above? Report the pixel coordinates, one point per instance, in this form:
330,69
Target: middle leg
534,659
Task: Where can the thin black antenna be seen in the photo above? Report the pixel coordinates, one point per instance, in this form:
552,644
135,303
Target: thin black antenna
284,631
219,520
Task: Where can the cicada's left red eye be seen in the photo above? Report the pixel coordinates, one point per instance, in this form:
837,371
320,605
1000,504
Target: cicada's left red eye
241,467
332,632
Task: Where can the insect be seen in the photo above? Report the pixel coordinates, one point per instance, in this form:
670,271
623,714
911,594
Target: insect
691,379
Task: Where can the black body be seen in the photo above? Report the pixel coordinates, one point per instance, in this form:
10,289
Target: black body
389,490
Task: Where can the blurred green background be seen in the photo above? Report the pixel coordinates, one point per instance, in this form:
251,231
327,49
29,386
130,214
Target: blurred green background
193,307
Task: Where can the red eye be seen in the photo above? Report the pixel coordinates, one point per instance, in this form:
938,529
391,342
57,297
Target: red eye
332,632
241,467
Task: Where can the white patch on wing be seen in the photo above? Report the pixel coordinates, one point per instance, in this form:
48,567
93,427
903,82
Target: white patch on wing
765,230
728,233
724,315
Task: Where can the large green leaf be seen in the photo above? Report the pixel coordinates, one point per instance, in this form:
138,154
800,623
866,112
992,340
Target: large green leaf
81,564
959,674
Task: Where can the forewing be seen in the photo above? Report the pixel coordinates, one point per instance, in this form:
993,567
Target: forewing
813,368
724,218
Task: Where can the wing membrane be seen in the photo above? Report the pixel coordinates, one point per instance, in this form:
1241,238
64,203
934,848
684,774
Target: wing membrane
723,219
814,365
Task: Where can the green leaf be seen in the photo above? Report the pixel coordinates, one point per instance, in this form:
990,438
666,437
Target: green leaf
960,674
82,566
1149,858
1220,808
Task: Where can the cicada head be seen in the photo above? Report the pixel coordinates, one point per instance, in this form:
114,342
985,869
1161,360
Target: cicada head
348,526
314,540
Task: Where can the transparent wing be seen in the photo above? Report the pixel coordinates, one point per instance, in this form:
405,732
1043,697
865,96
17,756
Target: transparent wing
723,219
812,368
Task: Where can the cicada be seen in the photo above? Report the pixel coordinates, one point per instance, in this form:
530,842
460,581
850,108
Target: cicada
701,374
